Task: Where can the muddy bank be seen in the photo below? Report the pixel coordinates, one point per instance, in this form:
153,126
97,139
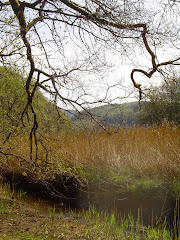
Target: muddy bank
65,191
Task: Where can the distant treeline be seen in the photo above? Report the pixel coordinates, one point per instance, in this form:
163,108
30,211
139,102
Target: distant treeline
162,104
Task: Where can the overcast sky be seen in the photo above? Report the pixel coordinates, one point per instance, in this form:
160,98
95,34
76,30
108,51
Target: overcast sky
104,68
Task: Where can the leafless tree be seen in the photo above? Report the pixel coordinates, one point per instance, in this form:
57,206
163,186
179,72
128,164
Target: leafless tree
59,43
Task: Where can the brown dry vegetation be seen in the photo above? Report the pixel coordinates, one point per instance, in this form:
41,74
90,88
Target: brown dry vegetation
148,150
154,149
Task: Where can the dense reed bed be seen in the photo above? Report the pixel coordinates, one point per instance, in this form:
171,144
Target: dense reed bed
143,151
154,149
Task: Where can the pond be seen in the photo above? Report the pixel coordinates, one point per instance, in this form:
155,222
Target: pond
149,206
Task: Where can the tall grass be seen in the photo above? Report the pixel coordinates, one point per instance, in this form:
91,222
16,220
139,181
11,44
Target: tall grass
147,150
142,150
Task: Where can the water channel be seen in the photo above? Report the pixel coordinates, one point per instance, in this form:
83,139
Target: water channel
71,199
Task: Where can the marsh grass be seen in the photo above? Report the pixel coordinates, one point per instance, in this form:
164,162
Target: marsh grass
141,150
134,158
102,225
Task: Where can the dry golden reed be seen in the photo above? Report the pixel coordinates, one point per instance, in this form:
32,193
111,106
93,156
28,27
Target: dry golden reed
143,150
152,149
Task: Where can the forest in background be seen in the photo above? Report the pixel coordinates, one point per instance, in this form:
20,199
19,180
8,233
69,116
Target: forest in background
163,104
